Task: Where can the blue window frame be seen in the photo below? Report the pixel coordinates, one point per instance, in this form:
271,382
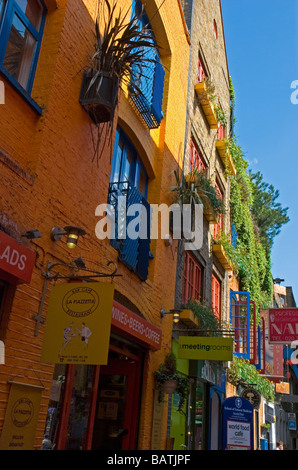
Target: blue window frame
147,82
129,179
21,31
240,322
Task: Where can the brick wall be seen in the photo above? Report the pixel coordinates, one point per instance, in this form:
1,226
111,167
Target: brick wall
50,179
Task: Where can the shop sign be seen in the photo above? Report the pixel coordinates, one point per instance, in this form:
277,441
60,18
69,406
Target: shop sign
282,387
273,352
136,326
78,324
253,396
208,348
237,424
16,260
21,417
283,325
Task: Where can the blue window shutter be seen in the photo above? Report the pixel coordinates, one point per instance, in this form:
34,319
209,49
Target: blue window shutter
159,78
144,245
240,322
128,254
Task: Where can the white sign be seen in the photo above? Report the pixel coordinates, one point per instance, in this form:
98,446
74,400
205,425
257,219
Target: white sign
238,434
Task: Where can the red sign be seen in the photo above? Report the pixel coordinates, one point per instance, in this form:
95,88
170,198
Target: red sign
16,260
283,325
136,326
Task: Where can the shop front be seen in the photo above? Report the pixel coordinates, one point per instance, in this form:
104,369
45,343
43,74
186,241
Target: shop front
97,407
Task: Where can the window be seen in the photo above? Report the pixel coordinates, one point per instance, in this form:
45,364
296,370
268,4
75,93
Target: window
218,228
21,32
216,296
129,179
195,158
215,29
221,132
240,322
147,82
202,74
192,278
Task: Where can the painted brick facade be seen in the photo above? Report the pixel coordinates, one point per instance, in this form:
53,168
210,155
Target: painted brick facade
49,178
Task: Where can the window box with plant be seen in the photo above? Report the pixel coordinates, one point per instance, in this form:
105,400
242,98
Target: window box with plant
205,94
169,380
196,188
222,249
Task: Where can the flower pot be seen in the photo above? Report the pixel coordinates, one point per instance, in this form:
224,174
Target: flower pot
170,386
99,99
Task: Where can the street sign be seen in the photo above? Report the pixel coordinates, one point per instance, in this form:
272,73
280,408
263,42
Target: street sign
238,433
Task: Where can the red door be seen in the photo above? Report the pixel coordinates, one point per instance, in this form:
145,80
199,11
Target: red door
116,416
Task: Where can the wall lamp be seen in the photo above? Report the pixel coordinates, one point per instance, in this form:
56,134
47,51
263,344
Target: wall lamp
72,233
175,312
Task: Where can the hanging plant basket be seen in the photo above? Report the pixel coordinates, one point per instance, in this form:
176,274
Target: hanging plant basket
99,96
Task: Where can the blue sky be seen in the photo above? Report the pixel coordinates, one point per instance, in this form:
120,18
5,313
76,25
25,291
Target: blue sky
262,49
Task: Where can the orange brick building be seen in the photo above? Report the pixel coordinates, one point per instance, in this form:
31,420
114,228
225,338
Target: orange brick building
51,176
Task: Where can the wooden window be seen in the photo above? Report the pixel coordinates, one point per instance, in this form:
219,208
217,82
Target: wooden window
216,296
218,228
195,158
192,278
202,74
215,29
21,32
221,132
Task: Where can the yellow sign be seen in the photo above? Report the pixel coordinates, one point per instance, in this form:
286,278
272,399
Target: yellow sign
21,417
205,348
78,324
283,387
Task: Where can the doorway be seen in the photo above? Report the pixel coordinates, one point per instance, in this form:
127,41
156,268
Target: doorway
117,408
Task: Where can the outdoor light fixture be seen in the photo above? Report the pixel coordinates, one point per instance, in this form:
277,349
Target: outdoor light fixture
72,233
31,234
175,312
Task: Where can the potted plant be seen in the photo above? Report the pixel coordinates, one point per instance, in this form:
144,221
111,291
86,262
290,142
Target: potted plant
168,380
196,188
119,47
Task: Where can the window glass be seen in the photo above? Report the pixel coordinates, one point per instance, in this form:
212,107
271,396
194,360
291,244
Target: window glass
33,10
126,165
143,182
19,52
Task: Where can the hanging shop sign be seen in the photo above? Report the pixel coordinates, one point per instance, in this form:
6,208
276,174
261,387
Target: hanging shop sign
283,387
78,324
283,325
21,417
208,348
253,396
16,260
238,431
136,326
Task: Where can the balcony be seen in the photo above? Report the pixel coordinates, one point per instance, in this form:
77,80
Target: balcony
222,257
206,103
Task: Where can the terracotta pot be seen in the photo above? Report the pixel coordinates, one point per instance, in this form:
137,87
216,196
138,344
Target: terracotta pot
170,386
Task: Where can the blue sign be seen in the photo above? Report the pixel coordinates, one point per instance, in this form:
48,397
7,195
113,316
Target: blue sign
292,425
238,432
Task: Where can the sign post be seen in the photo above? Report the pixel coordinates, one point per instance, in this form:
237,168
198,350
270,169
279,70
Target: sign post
238,433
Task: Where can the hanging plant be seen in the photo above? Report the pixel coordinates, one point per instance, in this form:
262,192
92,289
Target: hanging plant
208,323
242,370
168,380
